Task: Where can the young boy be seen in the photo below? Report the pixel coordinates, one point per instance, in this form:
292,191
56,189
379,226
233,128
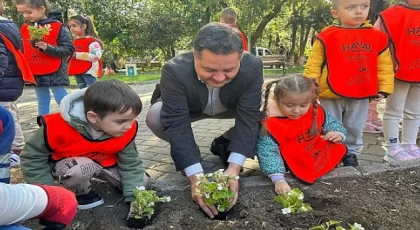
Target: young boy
229,16
351,63
14,70
93,134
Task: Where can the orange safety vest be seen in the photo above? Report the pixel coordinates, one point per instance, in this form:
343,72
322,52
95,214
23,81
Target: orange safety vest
308,157
28,77
352,60
403,26
64,141
244,40
41,63
78,67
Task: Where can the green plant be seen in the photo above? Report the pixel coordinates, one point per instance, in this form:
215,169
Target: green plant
336,225
144,203
215,189
37,31
293,202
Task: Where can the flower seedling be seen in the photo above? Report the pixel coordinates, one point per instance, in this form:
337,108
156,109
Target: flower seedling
335,224
37,32
143,206
292,202
215,189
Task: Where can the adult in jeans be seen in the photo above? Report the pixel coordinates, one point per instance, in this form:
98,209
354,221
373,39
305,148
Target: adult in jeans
215,80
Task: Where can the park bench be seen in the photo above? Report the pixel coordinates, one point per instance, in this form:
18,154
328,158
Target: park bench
143,63
274,61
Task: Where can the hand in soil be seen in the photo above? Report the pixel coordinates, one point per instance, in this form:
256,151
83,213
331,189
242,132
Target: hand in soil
281,188
211,210
233,169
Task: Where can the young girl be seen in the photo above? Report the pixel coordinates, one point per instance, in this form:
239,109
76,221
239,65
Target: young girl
48,59
297,133
401,23
86,62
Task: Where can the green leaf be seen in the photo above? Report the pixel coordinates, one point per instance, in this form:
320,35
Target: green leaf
339,228
334,222
319,227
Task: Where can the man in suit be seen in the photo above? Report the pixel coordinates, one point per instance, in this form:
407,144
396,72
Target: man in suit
215,80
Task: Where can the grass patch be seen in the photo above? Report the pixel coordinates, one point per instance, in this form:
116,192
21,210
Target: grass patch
146,76
290,70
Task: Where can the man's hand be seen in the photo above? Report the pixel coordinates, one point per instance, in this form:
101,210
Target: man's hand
234,169
211,210
333,137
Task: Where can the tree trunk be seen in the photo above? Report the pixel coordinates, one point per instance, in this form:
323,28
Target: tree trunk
260,28
293,40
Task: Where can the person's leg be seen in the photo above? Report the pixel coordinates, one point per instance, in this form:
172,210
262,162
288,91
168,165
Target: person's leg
76,174
80,81
59,93
411,120
154,122
18,141
44,98
392,115
89,79
372,122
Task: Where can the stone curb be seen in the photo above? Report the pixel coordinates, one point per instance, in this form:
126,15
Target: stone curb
261,181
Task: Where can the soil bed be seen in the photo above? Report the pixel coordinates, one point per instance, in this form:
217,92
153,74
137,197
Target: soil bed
381,202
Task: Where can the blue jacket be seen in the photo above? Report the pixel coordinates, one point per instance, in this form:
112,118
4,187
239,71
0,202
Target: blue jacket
11,80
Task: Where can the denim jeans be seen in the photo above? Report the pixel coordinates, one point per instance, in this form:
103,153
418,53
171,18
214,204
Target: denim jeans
85,80
13,227
44,97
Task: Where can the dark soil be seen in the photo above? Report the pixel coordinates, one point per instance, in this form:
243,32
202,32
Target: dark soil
381,202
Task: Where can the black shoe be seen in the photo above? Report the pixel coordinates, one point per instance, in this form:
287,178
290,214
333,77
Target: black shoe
50,225
219,148
350,160
89,201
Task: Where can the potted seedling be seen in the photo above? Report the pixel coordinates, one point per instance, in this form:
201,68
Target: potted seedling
215,191
37,32
143,207
336,225
292,202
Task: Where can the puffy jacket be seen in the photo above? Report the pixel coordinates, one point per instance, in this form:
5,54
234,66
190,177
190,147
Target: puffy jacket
11,81
64,50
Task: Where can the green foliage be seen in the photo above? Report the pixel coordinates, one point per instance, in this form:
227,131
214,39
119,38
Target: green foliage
292,202
215,189
37,31
144,203
335,224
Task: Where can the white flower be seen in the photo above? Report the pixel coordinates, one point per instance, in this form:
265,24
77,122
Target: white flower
35,24
207,195
236,177
219,187
152,204
286,211
168,198
303,209
358,226
300,197
209,174
140,188
197,183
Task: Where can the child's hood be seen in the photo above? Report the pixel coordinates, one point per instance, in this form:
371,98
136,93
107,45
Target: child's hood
273,109
72,108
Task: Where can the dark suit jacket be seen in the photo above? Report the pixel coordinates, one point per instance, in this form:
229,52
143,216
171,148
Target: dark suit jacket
185,96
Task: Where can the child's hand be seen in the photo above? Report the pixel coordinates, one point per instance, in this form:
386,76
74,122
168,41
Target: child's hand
333,137
42,45
379,97
281,187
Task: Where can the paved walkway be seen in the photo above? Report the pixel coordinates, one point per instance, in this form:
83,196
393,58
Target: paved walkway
155,152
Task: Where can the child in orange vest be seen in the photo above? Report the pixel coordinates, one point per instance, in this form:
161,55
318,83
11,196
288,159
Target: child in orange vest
94,133
48,56
86,62
351,63
229,16
14,72
297,133
402,23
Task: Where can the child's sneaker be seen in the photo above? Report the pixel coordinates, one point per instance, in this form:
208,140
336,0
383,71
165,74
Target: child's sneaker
413,150
370,127
397,153
14,160
88,201
350,160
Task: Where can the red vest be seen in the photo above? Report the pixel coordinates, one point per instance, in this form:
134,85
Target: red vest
41,63
28,77
403,26
308,157
65,141
352,60
78,67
